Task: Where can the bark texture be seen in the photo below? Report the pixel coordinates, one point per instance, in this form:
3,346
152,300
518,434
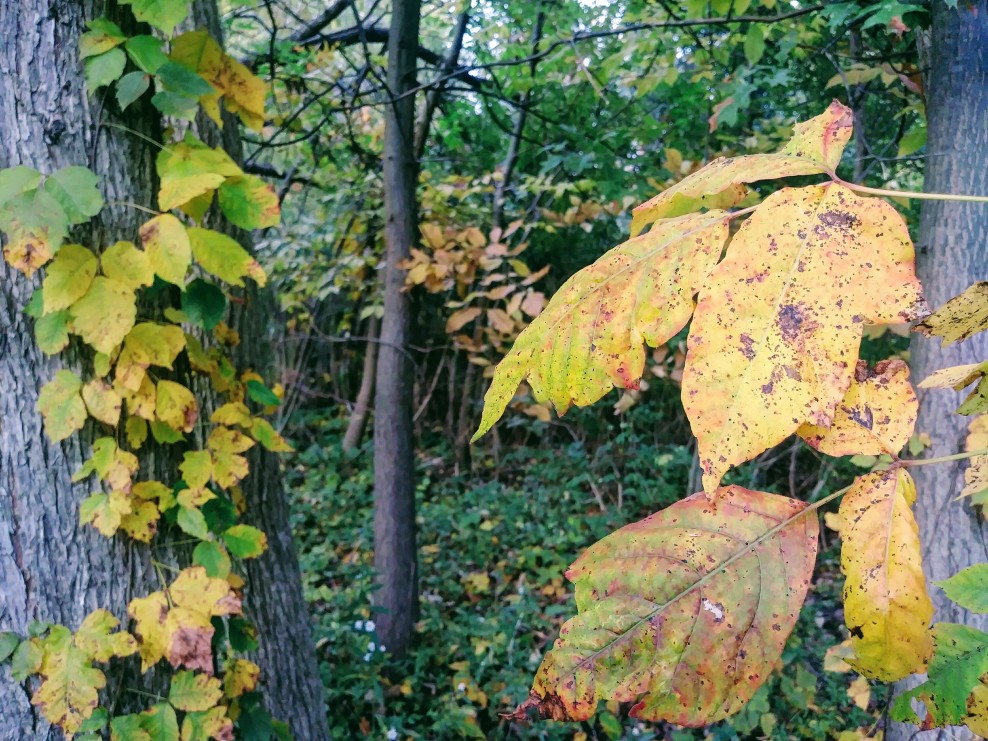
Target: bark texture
951,256
51,569
394,483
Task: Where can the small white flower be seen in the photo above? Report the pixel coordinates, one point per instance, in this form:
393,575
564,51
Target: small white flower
369,626
392,734
359,625
461,687
367,657
371,647
381,648
636,731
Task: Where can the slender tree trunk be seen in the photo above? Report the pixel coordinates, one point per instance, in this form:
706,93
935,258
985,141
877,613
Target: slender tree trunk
362,406
51,568
394,482
951,257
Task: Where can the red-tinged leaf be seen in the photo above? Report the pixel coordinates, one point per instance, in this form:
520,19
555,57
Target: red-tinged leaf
685,612
815,148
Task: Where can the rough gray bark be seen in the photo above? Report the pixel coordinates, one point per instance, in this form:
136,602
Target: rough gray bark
51,569
394,483
951,256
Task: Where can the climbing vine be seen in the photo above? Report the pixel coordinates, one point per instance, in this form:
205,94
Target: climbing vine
138,308
686,612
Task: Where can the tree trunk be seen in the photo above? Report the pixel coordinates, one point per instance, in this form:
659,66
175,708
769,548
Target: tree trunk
362,406
394,484
51,568
951,257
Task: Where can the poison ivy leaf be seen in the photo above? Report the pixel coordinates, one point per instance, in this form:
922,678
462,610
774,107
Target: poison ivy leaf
60,403
225,444
96,638
591,335
686,611
240,676
105,315
36,224
142,521
105,511
164,434
212,557
875,417
51,332
167,245
69,693
15,181
128,728
754,44
145,345
102,402
177,79
103,35
959,318
960,657
886,607
27,659
223,257
150,614
77,191
146,53
203,303
196,468
243,636
816,263
262,394
104,69
207,724
816,147
160,722
190,520
968,588
68,277
245,541
137,432
262,431
249,202
190,169
8,644
220,514
176,406
234,413
126,264
162,14
131,87
190,691
175,104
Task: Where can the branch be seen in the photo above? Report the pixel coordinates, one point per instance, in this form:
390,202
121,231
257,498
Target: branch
304,35
432,98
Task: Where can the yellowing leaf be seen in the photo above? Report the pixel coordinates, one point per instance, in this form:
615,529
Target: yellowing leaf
196,468
190,169
69,693
60,403
167,245
105,511
150,614
249,202
224,257
774,341
229,468
959,318
126,264
816,147
105,315
591,335
102,402
207,724
137,432
240,676
142,521
176,406
190,691
147,344
232,413
162,14
876,415
245,541
96,639
68,277
835,660
459,319
686,611
976,474
262,431
886,607
860,692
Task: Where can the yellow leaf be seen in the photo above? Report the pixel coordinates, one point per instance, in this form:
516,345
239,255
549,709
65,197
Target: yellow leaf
137,432
60,403
775,337
68,277
860,692
591,335
126,264
176,406
835,660
976,474
167,245
224,257
232,413
96,639
886,606
240,676
876,415
69,693
142,522
959,318
105,315
228,467
145,345
141,403
207,724
262,431
190,169
194,692
816,147
458,319
28,250
149,613
196,468
104,511
956,377
102,402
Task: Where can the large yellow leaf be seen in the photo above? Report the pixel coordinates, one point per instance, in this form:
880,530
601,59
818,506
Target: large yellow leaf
774,340
96,639
69,693
167,245
875,417
124,263
592,334
60,403
68,277
104,316
190,169
224,257
816,147
685,612
176,406
886,607
147,344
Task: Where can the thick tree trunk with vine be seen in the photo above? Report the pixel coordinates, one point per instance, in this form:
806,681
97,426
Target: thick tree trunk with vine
394,483
951,256
51,568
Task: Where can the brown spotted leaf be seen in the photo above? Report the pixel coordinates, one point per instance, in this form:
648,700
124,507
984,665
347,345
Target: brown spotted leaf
592,334
875,417
775,336
815,148
685,612
959,318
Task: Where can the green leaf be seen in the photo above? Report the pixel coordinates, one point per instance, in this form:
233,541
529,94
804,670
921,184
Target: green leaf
191,169
160,722
262,394
128,728
194,692
220,514
212,557
17,180
51,332
175,104
77,191
223,257
203,303
104,69
913,140
162,14
191,521
103,35
249,202
97,721
243,635
131,87
146,53
26,660
968,588
8,644
68,277
754,44
177,79
164,434
60,403
245,541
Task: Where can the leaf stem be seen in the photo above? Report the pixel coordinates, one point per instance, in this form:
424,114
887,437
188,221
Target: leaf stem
941,459
911,193
138,206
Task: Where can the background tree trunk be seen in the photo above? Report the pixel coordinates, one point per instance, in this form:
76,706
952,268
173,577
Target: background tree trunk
362,406
51,569
951,257
394,482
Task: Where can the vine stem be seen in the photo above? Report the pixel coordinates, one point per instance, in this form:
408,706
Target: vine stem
909,193
138,206
941,459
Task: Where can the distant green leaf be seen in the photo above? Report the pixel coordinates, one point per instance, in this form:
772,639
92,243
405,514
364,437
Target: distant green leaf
203,303
131,87
262,394
754,44
913,140
104,69
77,191
146,53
